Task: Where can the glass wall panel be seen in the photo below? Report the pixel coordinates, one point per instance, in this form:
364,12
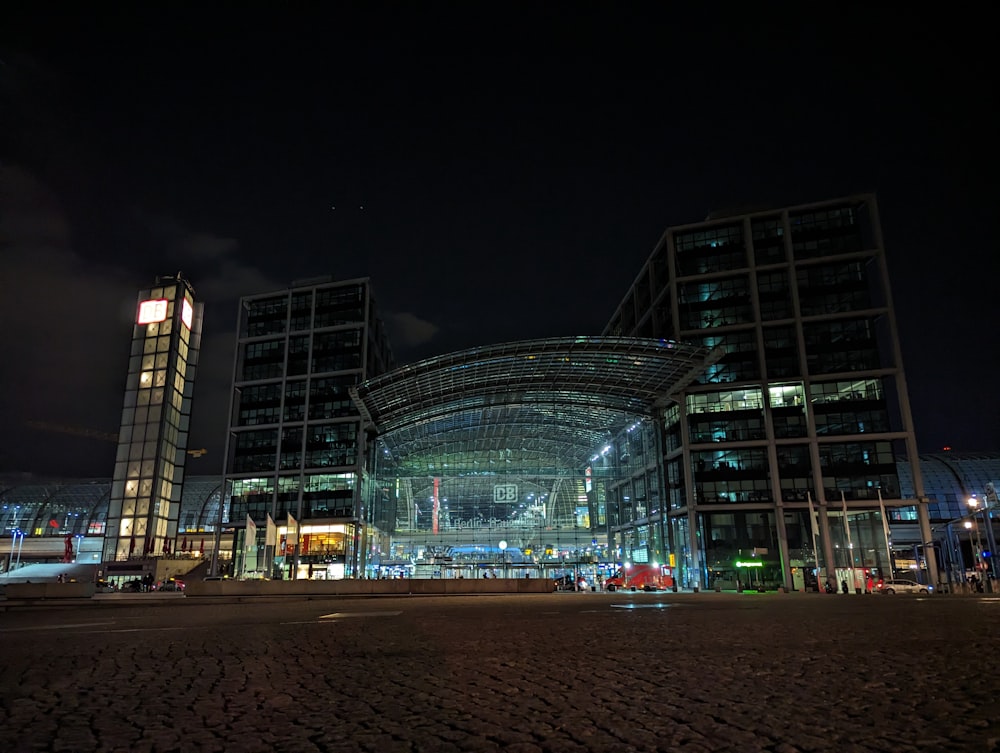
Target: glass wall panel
741,361
859,470
255,450
259,404
251,496
781,352
329,397
715,303
773,295
840,345
263,360
768,240
710,250
266,316
731,476
339,305
788,412
825,232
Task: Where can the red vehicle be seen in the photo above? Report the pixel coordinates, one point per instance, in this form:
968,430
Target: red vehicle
641,578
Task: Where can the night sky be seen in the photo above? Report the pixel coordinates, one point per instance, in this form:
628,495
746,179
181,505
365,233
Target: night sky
500,170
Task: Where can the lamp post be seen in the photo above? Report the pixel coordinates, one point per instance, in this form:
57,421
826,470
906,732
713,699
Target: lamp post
16,538
974,504
503,556
13,543
975,557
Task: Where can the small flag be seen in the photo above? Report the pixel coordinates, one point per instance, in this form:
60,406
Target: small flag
292,540
847,526
812,515
251,538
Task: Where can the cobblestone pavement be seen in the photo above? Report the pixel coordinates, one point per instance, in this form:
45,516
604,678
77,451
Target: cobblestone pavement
521,674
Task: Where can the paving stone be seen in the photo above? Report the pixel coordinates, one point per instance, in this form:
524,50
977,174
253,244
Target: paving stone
552,674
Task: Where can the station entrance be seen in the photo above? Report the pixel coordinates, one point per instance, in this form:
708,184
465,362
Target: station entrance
518,460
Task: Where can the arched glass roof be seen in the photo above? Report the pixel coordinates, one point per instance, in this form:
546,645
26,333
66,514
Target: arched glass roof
80,506
544,404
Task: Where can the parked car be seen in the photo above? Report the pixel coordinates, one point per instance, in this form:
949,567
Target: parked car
103,587
902,586
172,585
132,586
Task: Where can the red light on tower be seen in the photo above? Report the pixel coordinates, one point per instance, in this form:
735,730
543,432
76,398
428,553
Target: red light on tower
946,448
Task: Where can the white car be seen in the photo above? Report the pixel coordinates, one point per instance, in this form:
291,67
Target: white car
891,587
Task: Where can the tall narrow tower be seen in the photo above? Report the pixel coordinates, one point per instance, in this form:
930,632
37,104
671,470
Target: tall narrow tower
152,442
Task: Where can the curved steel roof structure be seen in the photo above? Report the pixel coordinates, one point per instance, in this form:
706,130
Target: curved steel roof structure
542,404
80,506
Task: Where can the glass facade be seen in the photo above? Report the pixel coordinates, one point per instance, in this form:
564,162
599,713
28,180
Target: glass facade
512,459
807,406
144,503
80,508
296,454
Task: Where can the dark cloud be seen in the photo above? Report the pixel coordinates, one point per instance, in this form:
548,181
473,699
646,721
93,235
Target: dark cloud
409,330
513,180
31,213
69,321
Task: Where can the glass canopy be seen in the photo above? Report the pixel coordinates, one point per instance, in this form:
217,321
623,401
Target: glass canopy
503,442
555,401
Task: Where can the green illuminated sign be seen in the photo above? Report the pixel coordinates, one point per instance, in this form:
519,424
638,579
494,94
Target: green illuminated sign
758,563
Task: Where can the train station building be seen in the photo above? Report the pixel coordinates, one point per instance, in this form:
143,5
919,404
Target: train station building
741,421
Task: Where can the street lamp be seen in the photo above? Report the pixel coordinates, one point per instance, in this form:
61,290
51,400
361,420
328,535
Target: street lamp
979,542
16,535
503,555
974,504
13,543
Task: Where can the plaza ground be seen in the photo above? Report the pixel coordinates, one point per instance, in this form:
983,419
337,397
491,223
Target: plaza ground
516,673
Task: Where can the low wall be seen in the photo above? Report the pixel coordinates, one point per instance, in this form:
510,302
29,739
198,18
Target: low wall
394,587
49,590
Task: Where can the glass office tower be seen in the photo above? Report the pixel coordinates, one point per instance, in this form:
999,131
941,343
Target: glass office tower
780,462
152,444
296,454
